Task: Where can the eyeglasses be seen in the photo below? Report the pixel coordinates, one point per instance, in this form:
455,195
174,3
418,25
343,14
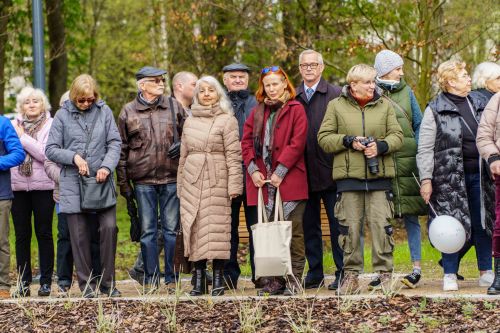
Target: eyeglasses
312,65
85,100
157,80
273,69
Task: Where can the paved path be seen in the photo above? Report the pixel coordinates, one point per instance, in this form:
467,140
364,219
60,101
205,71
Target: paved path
131,290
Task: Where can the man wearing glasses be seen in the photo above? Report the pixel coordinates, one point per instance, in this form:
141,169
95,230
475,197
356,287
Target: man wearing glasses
315,94
146,173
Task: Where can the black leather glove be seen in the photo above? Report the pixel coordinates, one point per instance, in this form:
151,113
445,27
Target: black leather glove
135,223
348,140
174,152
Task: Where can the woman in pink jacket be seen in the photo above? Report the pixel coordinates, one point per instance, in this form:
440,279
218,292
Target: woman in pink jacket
33,191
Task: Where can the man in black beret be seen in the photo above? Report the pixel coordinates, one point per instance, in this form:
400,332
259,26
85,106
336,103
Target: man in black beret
235,79
147,170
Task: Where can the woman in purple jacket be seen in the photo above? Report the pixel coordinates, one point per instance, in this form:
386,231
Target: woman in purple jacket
33,191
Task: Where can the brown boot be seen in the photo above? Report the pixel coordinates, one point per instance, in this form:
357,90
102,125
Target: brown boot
349,285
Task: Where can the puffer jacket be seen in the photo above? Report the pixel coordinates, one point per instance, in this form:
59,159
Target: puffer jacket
407,199
449,195
38,181
68,137
147,133
344,117
209,172
488,133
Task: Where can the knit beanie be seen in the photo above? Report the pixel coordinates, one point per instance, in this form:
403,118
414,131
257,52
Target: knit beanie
386,61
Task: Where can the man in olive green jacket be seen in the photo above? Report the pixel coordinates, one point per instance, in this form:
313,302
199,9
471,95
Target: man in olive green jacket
362,131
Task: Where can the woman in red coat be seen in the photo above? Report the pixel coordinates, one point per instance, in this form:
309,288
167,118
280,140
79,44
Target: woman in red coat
274,138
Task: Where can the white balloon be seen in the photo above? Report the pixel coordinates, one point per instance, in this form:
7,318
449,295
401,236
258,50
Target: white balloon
447,234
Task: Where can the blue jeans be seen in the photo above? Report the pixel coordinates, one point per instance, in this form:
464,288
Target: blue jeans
412,227
479,237
150,200
313,235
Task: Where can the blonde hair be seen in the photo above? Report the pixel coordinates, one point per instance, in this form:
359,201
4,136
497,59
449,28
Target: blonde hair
83,85
27,92
448,71
64,98
224,102
485,72
360,72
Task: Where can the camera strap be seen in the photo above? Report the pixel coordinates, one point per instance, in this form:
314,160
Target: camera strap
174,123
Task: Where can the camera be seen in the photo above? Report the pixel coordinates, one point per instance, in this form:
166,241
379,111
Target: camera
373,161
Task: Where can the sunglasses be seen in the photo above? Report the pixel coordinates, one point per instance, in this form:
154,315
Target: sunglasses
157,80
83,100
273,69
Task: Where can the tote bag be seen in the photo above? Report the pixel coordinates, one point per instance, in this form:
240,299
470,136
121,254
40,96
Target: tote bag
271,241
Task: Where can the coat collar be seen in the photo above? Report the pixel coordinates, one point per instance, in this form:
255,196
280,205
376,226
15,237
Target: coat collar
321,88
141,107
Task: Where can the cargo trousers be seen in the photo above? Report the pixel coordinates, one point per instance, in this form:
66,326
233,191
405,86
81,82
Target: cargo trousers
352,210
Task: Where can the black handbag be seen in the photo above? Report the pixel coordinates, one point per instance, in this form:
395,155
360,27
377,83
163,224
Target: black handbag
181,263
174,151
96,196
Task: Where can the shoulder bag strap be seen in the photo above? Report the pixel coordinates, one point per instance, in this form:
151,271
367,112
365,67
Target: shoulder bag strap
399,108
89,136
174,123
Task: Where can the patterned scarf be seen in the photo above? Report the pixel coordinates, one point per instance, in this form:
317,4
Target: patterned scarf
31,127
258,120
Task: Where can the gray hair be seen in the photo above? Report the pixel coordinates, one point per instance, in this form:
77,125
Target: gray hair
25,93
226,74
224,102
181,77
484,72
139,82
309,51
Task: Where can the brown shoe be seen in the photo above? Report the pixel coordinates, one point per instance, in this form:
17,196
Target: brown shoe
4,293
274,286
350,285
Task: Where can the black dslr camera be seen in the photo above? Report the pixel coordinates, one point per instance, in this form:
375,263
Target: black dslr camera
372,162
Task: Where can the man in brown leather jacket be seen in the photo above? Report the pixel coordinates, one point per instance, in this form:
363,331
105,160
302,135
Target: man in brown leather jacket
147,172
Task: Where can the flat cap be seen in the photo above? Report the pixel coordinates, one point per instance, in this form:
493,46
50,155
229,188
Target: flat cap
236,67
148,71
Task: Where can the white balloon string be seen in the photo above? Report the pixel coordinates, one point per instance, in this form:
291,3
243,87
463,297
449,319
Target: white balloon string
420,186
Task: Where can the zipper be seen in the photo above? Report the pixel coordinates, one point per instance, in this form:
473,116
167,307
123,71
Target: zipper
397,184
364,135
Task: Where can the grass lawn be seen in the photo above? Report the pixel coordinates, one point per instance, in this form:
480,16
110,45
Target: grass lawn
127,251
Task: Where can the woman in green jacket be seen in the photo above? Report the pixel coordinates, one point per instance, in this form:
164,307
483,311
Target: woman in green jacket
362,131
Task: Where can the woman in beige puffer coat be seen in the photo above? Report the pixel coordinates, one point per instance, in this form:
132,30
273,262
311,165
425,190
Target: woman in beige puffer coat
209,176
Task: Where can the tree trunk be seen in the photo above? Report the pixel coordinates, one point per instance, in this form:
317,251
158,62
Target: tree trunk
58,74
4,20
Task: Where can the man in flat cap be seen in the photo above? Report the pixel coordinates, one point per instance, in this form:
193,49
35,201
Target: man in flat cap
147,172
235,79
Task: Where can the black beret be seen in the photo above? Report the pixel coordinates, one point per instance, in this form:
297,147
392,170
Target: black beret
236,67
149,71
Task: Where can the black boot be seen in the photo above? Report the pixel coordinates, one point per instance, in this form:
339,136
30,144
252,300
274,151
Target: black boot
494,289
200,283
218,282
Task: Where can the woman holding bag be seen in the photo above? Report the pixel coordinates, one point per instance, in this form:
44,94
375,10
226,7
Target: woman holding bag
85,141
209,176
273,143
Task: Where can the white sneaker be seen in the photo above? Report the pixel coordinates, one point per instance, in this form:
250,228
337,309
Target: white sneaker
486,279
450,282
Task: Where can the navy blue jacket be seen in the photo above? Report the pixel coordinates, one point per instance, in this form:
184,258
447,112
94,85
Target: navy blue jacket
11,155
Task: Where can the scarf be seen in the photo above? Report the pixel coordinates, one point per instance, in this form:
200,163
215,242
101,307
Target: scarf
143,101
199,110
258,120
31,127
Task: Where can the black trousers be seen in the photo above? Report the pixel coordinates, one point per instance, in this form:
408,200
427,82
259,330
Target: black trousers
231,268
40,205
313,235
65,255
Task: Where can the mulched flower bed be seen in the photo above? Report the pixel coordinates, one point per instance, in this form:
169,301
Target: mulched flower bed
396,314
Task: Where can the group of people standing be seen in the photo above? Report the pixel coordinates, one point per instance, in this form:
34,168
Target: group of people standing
193,159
